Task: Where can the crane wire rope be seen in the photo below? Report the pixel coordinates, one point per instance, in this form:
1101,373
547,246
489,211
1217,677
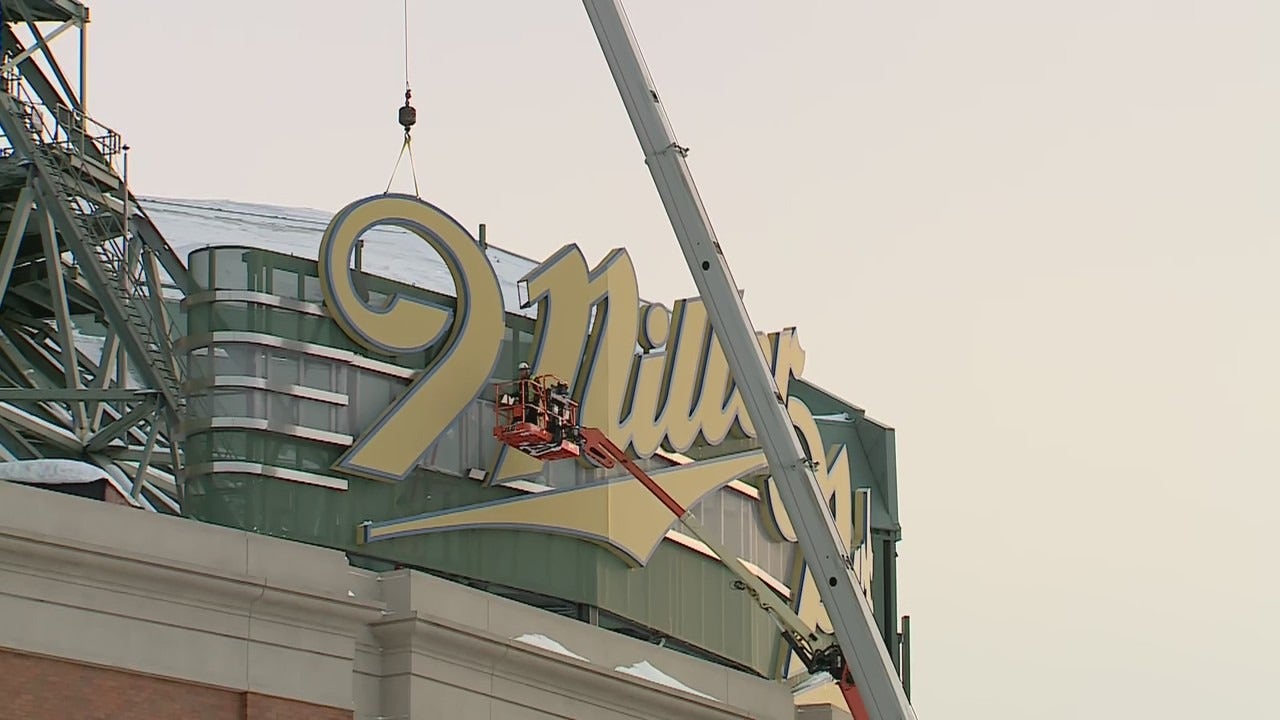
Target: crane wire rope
407,116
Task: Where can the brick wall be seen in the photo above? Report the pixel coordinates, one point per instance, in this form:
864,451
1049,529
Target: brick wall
264,707
35,687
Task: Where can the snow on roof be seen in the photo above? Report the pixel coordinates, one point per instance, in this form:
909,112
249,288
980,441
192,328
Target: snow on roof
647,671
390,252
643,669
811,682
51,472
546,643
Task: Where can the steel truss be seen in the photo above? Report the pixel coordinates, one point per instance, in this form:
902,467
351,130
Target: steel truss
89,289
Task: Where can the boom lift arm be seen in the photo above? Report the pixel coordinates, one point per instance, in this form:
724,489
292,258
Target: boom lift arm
817,650
867,661
536,416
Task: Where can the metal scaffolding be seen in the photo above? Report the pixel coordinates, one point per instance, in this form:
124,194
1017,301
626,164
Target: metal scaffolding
89,289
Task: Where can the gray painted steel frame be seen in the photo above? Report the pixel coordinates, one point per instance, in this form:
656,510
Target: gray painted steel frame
80,262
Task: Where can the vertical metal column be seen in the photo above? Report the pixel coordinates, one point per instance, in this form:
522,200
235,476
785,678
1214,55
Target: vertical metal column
905,642
84,62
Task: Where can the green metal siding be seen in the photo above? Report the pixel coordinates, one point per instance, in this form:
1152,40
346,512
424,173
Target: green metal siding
681,593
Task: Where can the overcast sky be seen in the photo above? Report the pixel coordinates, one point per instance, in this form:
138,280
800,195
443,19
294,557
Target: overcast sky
1039,239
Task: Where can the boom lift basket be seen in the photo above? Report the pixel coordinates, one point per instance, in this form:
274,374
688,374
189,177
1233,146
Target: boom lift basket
536,416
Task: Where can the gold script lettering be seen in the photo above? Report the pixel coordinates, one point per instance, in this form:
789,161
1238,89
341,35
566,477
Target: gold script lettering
832,472
619,515
565,294
683,391
397,439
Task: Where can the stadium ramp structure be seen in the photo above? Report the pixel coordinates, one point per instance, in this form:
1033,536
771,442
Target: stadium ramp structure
89,288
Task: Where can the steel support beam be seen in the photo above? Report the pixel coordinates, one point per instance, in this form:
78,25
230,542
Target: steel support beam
63,394
41,43
103,437
24,337
62,316
84,63
34,75
95,272
146,231
155,291
143,228
139,478
13,238
105,371
905,642
49,432
21,363
16,445
59,401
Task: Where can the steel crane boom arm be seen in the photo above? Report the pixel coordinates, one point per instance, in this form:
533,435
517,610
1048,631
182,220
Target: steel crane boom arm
817,650
867,660
807,642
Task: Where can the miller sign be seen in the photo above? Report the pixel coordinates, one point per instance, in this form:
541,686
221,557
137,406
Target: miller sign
668,393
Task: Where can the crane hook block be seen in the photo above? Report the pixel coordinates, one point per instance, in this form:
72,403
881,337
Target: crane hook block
408,115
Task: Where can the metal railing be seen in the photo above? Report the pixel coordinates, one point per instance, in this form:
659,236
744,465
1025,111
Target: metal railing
126,263
61,126
71,142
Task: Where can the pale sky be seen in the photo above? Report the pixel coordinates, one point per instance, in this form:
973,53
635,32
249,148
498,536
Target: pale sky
1039,239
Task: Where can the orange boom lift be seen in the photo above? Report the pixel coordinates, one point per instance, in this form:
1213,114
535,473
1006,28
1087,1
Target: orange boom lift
538,417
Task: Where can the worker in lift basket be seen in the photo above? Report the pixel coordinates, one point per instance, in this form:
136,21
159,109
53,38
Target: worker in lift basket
528,393
558,411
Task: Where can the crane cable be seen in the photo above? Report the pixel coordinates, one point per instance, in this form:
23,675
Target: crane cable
407,115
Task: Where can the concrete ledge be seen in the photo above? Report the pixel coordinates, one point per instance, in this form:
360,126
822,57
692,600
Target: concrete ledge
175,598
821,712
439,627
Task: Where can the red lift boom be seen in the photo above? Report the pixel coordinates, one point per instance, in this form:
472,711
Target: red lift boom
537,416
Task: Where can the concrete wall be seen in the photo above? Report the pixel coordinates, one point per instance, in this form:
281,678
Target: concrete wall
116,589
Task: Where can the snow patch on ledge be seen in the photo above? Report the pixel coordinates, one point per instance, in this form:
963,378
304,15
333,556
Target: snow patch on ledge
51,472
811,682
648,672
546,643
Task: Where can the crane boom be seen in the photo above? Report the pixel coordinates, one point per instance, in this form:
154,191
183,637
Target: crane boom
536,416
816,649
867,660
809,643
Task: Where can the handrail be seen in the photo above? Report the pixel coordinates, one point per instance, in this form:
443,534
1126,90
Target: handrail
116,254
69,139
63,126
